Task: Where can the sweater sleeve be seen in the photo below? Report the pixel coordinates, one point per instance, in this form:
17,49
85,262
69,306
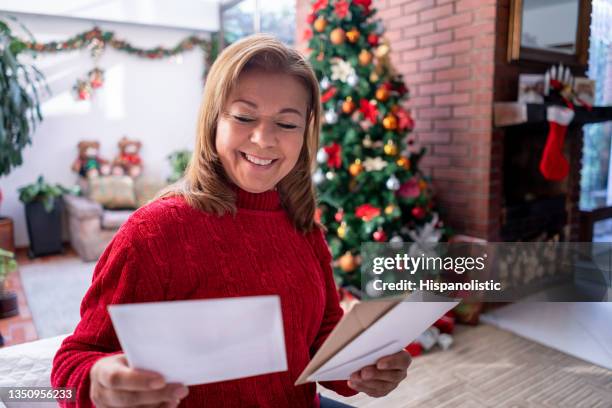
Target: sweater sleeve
122,275
333,311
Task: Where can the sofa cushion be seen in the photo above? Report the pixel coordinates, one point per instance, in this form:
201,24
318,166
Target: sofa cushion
113,191
146,188
112,219
29,365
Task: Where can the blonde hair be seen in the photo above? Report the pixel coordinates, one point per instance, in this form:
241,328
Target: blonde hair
205,184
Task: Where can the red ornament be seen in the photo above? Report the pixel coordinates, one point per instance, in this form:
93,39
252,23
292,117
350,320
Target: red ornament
379,236
339,215
333,155
369,110
327,95
341,8
311,18
373,39
446,323
414,348
418,212
366,212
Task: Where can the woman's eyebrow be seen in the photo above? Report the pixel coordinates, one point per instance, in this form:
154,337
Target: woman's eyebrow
254,105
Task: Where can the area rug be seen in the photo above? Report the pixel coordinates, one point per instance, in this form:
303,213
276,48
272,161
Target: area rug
54,291
583,330
488,367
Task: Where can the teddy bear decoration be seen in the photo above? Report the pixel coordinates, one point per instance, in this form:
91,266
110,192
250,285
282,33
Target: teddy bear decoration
128,162
89,163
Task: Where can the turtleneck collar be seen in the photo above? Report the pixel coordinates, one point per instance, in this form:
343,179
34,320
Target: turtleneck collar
266,201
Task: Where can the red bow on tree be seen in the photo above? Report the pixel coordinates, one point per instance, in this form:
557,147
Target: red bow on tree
333,155
319,4
367,211
369,110
404,120
341,7
365,4
328,94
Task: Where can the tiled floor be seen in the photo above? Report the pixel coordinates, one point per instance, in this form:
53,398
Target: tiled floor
20,328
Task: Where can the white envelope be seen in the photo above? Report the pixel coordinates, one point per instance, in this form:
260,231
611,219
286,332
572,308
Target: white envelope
371,330
203,341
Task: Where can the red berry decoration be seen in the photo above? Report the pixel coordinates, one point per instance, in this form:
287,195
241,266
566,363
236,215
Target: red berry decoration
418,212
379,236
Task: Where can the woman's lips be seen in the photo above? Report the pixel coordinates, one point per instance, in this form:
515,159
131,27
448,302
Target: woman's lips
258,161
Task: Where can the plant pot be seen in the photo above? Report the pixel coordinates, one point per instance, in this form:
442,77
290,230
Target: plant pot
7,240
9,306
44,228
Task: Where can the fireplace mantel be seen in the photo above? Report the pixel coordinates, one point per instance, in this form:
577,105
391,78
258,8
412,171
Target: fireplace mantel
515,114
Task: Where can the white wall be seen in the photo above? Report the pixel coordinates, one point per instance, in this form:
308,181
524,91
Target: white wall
155,101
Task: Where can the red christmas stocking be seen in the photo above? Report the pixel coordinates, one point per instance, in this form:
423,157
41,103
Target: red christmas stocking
554,166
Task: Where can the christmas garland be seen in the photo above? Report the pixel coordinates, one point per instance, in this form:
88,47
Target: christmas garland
97,40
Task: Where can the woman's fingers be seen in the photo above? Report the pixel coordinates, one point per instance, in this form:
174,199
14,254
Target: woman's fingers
380,379
373,388
117,375
373,373
121,398
398,361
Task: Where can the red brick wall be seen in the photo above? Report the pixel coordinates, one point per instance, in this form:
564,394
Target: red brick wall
445,50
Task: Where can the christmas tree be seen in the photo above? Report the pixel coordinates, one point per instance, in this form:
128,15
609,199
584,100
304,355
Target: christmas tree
369,184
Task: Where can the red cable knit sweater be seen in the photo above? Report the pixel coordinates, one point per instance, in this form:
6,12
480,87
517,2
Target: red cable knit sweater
168,250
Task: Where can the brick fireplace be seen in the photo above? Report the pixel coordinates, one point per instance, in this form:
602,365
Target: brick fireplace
452,54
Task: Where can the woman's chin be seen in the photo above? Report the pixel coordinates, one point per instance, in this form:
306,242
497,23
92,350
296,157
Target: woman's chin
256,186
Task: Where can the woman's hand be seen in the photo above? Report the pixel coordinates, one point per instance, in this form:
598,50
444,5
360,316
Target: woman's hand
380,379
115,384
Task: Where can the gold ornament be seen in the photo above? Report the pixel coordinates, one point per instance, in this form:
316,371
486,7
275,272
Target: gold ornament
347,262
320,24
367,141
365,57
356,168
348,106
390,122
382,94
382,51
352,35
403,162
422,184
389,209
337,36
390,148
341,230
373,76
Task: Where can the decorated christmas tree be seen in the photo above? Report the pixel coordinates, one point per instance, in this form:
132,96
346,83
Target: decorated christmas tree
370,187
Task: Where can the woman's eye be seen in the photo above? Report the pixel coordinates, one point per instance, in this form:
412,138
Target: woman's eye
287,126
243,119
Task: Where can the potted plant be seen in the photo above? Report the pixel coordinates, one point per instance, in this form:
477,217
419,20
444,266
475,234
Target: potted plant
178,163
19,111
8,299
43,208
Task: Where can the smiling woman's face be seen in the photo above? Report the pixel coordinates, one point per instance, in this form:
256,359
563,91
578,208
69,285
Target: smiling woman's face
260,131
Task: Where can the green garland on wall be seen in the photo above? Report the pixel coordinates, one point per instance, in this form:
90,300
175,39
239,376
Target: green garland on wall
99,39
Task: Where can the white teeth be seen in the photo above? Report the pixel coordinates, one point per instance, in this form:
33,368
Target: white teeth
256,160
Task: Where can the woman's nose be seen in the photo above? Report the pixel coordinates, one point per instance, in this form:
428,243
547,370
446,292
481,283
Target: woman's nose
263,134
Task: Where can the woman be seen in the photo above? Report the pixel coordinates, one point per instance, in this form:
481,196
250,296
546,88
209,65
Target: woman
240,223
